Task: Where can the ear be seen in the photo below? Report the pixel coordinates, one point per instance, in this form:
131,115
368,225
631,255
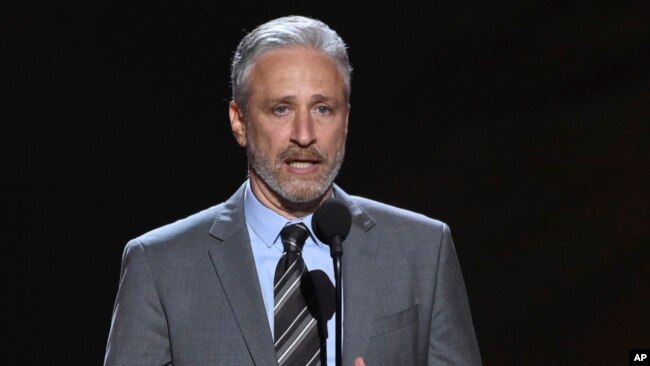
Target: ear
347,116
237,125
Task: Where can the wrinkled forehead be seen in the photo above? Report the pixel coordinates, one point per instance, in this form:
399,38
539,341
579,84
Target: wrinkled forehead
283,60
296,69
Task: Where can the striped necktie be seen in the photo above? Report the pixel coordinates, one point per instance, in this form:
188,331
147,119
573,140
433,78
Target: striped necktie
299,340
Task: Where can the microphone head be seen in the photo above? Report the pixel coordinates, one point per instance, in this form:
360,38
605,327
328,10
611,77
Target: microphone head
332,218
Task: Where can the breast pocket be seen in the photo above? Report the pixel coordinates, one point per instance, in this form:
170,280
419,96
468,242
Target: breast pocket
393,339
394,322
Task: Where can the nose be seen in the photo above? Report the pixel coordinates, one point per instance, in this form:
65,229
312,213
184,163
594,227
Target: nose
303,133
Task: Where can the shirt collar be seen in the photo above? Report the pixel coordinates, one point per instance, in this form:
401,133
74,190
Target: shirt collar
266,223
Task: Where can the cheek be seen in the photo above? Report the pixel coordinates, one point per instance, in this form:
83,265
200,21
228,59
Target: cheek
268,142
339,136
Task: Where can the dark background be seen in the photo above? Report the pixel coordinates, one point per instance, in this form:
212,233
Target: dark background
522,124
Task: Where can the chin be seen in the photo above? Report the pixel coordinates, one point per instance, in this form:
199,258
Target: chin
302,196
290,188
303,192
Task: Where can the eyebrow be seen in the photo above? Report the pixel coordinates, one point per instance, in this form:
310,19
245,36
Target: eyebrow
292,98
283,99
321,97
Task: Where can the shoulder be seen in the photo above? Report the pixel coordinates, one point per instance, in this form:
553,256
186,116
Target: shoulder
200,221
183,234
383,213
402,235
197,229
392,224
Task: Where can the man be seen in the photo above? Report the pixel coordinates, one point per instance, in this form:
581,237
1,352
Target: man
209,290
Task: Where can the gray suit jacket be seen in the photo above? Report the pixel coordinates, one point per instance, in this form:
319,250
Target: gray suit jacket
189,293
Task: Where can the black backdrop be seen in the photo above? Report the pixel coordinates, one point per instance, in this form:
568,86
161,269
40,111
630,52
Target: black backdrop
522,124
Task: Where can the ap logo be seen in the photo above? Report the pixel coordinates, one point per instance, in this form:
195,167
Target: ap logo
639,357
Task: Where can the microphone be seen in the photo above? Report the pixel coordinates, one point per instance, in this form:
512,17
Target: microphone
331,224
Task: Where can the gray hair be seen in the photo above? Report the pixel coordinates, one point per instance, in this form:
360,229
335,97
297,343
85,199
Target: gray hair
286,32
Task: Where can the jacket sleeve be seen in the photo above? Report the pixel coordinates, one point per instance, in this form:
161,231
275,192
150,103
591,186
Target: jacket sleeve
139,334
452,340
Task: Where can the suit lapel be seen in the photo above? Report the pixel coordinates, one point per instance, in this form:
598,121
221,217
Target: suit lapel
359,270
232,257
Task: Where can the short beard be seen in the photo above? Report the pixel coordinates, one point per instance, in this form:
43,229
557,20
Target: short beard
295,190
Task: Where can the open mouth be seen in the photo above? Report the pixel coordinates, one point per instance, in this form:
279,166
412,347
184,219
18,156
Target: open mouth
303,161
302,164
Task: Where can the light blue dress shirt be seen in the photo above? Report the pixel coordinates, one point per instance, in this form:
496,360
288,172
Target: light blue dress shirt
264,226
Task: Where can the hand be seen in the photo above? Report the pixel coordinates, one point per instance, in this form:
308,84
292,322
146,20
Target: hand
359,361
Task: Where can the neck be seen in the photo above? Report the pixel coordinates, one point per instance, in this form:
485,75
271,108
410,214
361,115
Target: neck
281,206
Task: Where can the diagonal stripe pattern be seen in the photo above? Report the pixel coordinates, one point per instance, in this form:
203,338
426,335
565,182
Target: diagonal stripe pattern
298,339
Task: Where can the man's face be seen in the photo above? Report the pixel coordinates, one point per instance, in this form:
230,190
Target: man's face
295,124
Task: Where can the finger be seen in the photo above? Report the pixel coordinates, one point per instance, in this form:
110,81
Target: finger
359,362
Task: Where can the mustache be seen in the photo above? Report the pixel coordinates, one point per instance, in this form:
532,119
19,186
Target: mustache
310,153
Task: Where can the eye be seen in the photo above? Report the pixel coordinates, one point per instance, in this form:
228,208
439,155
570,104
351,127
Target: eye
280,110
323,109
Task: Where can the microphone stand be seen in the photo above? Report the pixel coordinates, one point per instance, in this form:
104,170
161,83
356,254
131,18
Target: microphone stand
336,251
331,223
